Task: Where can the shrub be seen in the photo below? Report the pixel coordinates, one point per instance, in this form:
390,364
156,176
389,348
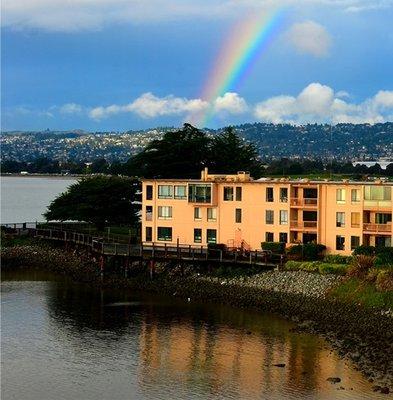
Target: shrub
384,281
384,256
372,275
337,259
361,266
274,247
364,250
336,269
307,251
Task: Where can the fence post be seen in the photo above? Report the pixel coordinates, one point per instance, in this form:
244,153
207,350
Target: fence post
166,251
250,258
256,256
220,255
115,249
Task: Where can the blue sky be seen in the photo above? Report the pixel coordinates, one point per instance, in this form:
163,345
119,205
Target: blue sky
118,65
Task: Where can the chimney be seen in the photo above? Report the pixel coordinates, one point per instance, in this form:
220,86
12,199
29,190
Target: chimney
204,174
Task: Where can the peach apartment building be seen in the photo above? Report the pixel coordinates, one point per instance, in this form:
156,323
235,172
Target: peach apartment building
238,211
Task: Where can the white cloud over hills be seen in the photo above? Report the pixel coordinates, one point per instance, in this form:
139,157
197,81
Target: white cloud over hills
316,103
76,15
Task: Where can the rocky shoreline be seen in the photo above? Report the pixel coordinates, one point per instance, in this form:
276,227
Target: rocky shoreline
362,335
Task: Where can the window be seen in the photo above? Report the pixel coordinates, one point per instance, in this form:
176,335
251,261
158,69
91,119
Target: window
355,220
284,195
238,193
149,234
212,214
238,215
269,195
228,193
164,234
149,213
197,235
197,213
164,212
270,217
340,196
340,219
379,193
340,242
199,193
269,237
149,192
355,242
165,191
383,218
355,196
283,217
383,241
180,192
211,235
283,237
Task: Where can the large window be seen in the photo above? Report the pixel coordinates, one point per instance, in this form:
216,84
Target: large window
164,234
238,215
149,192
199,193
355,242
269,237
197,213
377,193
269,194
270,217
197,235
355,196
283,217
228,193
165,191
284,195
340,219
340,196
180,192
340,242
211,235
283,237
238,193
383,218
383,241
164,212
355,220
149,234
211,214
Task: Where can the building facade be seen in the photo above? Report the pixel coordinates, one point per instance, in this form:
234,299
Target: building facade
241,212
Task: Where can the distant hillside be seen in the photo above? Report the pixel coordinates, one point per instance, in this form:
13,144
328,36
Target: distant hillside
340,142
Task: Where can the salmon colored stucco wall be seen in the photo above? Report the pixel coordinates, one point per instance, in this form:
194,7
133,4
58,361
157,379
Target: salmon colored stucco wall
252,229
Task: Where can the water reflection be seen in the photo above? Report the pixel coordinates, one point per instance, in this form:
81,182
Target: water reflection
116,344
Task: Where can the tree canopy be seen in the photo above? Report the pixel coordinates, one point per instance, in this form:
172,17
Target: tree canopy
99,200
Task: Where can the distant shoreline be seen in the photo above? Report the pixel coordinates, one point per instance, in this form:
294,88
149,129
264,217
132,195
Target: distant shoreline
60,176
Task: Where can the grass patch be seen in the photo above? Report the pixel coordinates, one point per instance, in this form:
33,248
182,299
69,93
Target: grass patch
316,266
360,292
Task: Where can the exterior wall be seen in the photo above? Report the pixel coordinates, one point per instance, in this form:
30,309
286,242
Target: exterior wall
252,229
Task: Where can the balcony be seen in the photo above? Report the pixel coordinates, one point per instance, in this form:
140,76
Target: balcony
307,225
304,202
377,228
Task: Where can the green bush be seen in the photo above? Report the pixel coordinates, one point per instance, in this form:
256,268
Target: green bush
364,250
337,259
384,281
336,269
316,266
274,247
361,265
307,251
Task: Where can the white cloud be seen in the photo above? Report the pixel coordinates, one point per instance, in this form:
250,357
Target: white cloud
310,38
71,108
151,106
230,103
319,103
76,15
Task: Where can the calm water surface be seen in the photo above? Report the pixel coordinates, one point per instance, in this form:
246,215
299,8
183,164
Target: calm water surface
68,341
24,199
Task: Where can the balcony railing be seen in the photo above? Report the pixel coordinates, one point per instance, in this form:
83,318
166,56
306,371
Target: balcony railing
304,224
377,228
304,202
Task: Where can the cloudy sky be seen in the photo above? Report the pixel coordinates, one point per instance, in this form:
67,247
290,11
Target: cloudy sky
131,64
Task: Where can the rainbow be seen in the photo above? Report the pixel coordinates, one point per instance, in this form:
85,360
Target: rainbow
248,40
